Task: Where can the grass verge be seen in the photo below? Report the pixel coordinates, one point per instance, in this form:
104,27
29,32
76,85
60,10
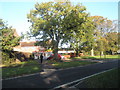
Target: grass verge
102,57
64,65
22,68
105,80
98,57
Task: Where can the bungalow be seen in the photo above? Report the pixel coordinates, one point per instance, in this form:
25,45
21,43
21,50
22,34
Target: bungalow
28,46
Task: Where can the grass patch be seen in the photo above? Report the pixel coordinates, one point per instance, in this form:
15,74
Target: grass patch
22,68
109,56
76,58
102,57
105,80
30,62
97,57
70,64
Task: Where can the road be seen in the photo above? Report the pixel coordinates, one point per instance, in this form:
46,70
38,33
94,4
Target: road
53,78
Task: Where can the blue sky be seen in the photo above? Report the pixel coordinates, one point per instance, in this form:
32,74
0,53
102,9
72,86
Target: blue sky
15,13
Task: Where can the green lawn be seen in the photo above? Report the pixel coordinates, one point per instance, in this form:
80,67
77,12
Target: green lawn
98,57
105,80
22,68
70,64
109,56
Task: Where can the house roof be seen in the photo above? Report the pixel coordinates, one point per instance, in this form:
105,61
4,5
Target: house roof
28,43
28,46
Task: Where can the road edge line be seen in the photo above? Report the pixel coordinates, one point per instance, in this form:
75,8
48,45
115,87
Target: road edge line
78,80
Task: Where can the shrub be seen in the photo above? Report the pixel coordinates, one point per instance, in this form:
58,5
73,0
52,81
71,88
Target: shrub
7,57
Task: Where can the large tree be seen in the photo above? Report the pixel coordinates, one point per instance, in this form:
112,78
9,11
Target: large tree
8,40
56,21
83,38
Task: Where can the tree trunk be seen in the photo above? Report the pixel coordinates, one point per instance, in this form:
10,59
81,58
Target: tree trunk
102,53
77,52
105,55
55,51
92,52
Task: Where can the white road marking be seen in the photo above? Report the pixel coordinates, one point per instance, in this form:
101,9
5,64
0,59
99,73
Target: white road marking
64,85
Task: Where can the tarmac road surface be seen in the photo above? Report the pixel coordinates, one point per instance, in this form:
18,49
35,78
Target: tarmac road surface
51,78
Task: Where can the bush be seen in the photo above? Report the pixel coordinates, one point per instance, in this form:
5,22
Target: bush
21,56
7,57
96,53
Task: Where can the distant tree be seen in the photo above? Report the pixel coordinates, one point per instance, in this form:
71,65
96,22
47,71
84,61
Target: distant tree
103,26
56,21
112,40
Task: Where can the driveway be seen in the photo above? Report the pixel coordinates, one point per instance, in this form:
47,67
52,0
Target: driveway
52,77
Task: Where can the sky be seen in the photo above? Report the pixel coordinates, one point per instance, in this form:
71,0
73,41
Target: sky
14,12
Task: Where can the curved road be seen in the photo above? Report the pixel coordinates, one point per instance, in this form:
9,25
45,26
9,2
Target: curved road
54,78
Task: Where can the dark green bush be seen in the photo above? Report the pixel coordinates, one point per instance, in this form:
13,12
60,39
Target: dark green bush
7,57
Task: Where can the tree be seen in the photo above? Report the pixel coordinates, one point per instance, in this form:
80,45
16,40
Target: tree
45,43
7,39
84,38
112,39
103,26
56,21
